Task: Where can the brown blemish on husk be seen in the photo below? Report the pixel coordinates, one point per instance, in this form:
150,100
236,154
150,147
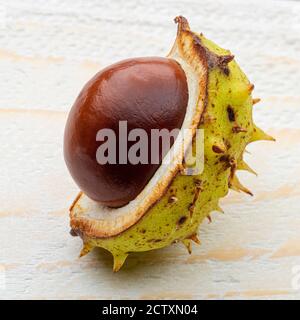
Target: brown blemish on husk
231,114
182,220
192,205
224,158
198,183
218,149
223,63
238,129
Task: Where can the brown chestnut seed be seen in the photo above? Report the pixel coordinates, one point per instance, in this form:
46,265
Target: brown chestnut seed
148,93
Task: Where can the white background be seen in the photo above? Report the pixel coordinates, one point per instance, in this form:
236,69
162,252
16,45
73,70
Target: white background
48,50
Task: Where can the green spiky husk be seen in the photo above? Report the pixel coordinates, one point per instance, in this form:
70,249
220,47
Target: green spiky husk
226,137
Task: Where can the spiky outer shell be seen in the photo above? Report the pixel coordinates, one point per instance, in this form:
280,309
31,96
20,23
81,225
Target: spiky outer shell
228,128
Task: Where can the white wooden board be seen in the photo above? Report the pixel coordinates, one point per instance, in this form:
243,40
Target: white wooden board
48,50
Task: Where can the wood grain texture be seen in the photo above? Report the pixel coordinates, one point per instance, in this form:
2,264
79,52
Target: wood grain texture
47,52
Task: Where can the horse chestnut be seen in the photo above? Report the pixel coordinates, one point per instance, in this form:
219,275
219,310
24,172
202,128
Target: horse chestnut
148,93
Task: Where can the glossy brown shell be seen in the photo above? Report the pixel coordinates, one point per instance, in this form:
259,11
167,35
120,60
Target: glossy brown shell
148,93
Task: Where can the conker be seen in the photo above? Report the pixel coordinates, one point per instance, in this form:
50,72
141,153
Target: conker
148,93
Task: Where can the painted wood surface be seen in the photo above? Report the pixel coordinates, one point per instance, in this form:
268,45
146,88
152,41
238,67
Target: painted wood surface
48,50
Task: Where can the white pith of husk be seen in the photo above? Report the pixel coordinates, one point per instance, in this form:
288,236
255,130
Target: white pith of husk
112,221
